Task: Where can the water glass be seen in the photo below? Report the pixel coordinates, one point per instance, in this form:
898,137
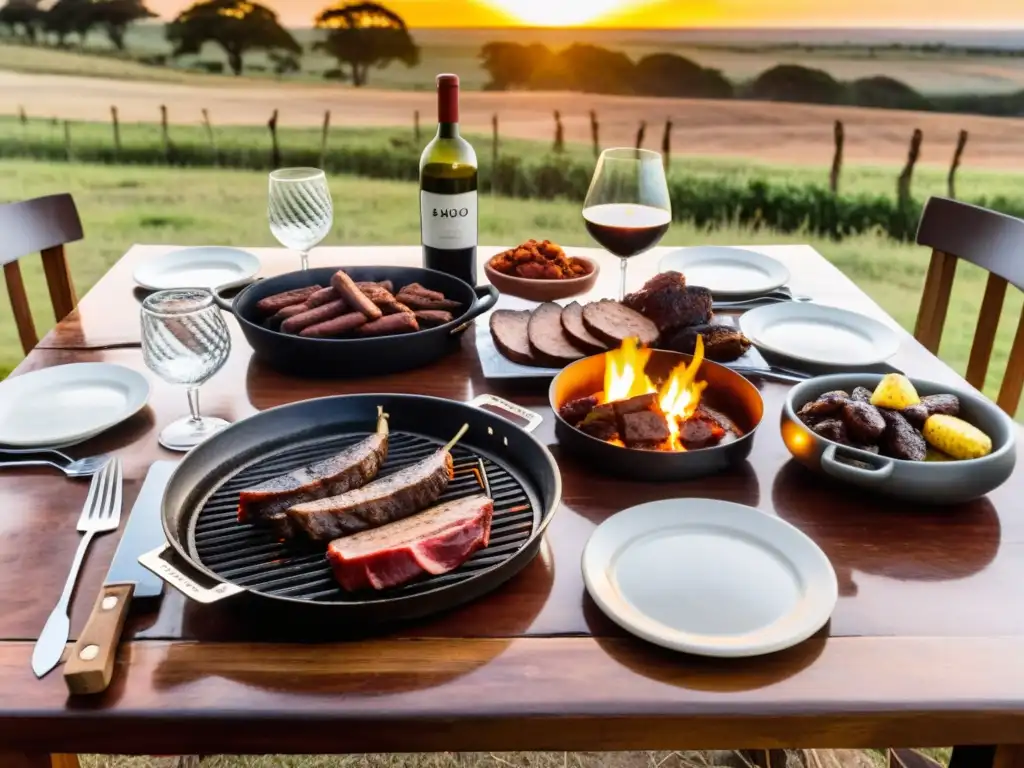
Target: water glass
300,209
185,341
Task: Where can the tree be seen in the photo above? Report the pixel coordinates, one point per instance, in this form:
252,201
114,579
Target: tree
237,26
665,74
114,17
512,64
25,15
598,70
68,17
886,93
362,35
790,82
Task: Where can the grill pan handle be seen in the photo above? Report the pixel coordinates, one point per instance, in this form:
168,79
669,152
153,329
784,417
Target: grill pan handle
233,289
164,563
487,297
531,418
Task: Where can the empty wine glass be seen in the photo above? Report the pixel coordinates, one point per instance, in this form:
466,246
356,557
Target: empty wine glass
185,341
300,209
627,210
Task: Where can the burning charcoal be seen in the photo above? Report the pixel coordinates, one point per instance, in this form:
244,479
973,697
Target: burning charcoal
719,419
695,434
648,402
832,429
600,423
644,429
863,421
576,410
901,440
861,394
826,405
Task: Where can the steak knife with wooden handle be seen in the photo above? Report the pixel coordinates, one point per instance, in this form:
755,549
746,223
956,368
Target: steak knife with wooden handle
90,665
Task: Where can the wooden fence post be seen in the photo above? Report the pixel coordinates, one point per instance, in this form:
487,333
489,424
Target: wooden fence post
22,116
903,183
67,140
595,133
641,132
323,138
837,159
559,133
275,149
117,131
416,125
166,133
494,149
666,144
210,137
961,142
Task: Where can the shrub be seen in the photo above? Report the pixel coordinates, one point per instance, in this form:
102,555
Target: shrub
790,82
665,74
886,93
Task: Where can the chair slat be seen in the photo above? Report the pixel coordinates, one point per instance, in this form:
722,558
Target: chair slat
58,280
19,304
985,334
1013,379
935,302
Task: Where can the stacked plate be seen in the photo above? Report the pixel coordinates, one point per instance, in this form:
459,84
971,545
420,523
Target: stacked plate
206,267
729,273
68,404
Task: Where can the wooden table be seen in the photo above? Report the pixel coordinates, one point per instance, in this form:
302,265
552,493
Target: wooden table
926,645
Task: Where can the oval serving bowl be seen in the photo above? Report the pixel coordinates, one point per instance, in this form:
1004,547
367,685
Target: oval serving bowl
543,290
926,482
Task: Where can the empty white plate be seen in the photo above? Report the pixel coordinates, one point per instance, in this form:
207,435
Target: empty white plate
709,577
815,333
727,272
66,404
202,267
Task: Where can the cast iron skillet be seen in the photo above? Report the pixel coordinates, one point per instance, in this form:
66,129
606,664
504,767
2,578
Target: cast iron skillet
294,354
727,391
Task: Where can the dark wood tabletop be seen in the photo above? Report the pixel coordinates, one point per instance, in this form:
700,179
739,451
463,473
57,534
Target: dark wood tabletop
925,647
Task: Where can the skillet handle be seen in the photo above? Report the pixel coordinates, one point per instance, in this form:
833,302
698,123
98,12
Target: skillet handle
163,562
487,297
532,419
232,289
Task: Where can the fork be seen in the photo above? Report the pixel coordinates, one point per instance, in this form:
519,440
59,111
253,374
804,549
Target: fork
101,513
86,467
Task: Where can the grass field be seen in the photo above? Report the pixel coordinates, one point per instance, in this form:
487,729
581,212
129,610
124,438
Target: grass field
125,205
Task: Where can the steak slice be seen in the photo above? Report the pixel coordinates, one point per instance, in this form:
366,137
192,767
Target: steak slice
433,542
613,323
509,331
572,324
548,342
353,467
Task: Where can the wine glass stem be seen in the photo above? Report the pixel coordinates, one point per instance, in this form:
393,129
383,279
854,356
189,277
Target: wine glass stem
622,281
193,404
304,255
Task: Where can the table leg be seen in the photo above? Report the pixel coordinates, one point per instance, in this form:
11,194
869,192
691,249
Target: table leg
37,760
1009,756
972,757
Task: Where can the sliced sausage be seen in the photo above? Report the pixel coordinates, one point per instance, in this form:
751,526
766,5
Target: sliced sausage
356,299
279,301
314,316
548,342
572,324
509,331
337,326
389,325
613,323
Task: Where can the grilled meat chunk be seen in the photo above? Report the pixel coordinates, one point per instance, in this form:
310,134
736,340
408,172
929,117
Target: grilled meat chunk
613,323
917,415
350,469
600,423
576,410
383,501
721,343
636,300
863,422
861,394
435,541
825,406
900,440
670,303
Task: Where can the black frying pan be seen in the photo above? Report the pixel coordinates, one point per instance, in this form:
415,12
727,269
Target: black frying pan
294,354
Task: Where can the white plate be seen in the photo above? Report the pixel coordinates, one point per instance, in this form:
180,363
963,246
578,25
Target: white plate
709,577
727,272
204,267
67,404
815,333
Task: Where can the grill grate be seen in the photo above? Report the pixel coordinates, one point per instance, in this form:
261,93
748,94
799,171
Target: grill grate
252,557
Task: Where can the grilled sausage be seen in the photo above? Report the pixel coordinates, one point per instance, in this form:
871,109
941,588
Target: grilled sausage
416,296
356,299
314,316
321,297
390,324
383,299
337,326
387,285
279,301
432,317
274,321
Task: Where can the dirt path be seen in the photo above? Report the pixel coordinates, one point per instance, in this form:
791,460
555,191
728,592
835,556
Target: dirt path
782,133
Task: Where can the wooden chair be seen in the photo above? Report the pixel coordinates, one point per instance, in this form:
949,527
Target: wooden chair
994,242
44,225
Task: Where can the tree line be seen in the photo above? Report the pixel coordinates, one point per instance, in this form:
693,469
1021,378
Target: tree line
359,35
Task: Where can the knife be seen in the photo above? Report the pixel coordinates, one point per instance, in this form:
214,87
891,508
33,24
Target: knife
90,665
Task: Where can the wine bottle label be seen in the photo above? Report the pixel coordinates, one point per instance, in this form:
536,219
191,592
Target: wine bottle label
448,222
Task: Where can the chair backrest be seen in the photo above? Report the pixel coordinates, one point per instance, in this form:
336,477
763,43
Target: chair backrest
43,225
994,242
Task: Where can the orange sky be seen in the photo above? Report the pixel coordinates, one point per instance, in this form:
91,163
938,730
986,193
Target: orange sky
677,13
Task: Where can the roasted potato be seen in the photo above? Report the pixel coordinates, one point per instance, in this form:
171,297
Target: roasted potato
955,437
896,392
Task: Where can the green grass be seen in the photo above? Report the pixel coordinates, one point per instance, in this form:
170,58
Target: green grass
125,205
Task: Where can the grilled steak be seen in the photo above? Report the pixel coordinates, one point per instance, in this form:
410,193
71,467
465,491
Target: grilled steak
670,303
353,467
509,331
721,343
572,324
383,501
433,542
613,323
548,342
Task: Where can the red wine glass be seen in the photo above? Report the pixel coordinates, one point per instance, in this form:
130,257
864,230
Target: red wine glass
627,210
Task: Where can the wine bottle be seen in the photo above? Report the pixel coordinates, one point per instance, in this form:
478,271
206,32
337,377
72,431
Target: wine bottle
448,191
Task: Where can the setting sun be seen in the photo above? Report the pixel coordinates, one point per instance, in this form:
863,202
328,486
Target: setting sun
552,13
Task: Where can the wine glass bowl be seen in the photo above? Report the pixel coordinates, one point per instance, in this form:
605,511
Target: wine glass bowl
185,341
628,209
300,209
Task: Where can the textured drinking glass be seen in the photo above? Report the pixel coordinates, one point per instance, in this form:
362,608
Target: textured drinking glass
300,209
185,341
628,210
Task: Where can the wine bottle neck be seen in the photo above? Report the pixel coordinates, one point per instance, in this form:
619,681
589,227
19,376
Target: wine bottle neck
447,130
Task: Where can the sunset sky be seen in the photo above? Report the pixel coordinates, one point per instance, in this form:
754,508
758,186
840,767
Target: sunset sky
671,13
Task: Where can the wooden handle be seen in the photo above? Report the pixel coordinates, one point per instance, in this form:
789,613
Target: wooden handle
90,664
